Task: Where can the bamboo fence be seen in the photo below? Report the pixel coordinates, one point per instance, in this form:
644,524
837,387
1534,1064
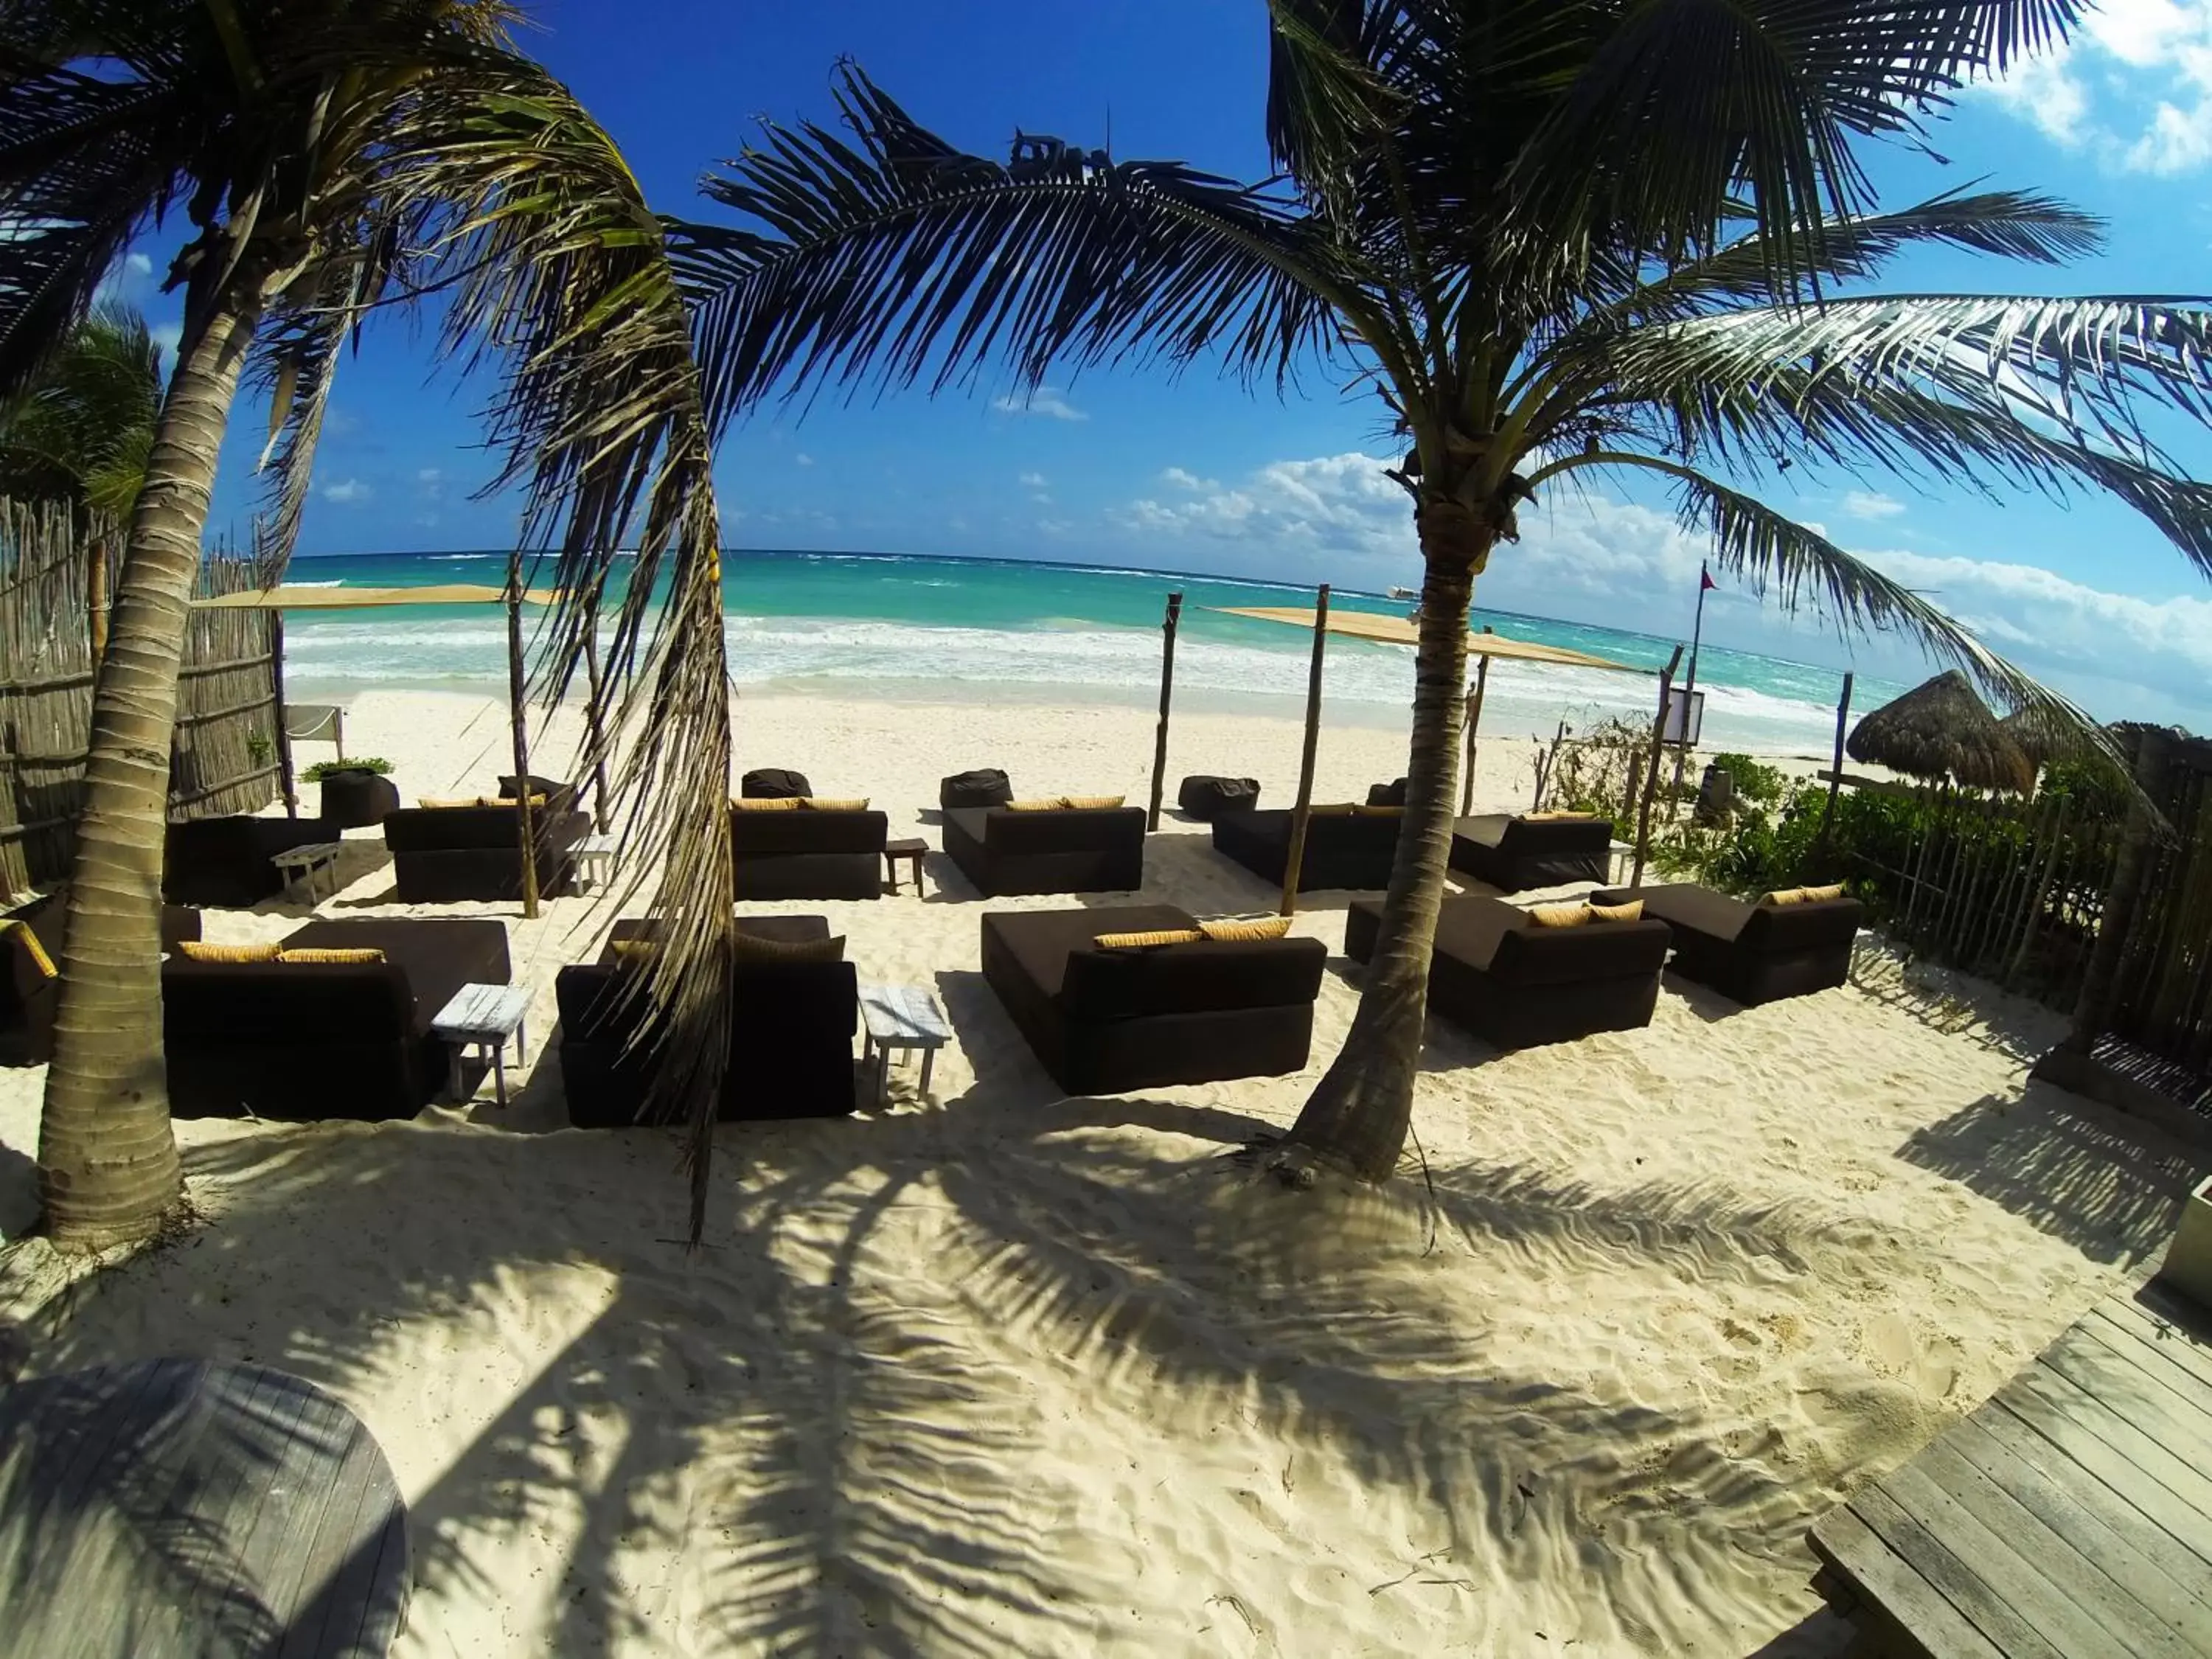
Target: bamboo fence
2163,988
224,759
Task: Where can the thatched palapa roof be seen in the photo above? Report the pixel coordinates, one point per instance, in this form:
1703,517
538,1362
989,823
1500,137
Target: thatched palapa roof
1943,730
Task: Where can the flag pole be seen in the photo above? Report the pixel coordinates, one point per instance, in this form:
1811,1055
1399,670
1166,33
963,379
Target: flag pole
1705,584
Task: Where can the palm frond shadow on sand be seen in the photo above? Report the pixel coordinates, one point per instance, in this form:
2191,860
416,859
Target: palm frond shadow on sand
831,1405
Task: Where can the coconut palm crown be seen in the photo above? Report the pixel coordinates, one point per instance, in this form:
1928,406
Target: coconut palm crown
1557,238
327,157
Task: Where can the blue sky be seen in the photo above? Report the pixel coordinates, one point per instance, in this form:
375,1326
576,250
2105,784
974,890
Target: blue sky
1132,467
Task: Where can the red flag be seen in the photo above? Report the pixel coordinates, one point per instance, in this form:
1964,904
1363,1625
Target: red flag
1705,583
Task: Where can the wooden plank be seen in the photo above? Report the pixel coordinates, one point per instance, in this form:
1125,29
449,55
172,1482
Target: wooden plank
322,1535
1980,1547
2132,1395
2116,1469
1958,1581
2068,1595
2147,1450
2133,1551
1894,1602
2192,1319
2187,1402
353,1506
2179,1352
366,1605
263,1509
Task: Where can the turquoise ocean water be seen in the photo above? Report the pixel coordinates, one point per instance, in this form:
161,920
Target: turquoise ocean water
895,626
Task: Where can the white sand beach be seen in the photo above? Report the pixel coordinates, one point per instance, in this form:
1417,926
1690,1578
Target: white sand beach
1005,1372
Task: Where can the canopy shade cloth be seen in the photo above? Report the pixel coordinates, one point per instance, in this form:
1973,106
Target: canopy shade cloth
1397,630
300,596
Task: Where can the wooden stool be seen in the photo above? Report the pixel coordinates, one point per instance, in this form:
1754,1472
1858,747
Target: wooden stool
895,850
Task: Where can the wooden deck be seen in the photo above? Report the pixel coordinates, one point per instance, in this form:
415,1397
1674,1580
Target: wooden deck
2070,1517
181,1507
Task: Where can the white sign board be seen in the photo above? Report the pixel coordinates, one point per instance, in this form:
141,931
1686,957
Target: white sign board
1685,707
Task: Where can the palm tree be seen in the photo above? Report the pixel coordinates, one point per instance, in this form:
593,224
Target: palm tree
1553,236
330,156
81,435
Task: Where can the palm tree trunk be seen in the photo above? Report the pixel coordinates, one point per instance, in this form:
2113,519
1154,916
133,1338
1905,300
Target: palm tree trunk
107,1158
1357,1118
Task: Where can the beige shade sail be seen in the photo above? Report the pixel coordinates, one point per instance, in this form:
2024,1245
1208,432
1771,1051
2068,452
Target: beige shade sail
1398,630
303,597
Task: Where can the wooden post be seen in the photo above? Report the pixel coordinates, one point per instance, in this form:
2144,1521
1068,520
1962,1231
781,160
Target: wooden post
526,826
95,600
1303,813
595,732
2100,980
1651,768
1167,695
1473,720
284,775
1836,766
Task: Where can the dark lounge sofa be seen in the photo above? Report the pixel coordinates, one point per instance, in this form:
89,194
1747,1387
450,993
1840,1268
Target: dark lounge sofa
28,995
808,854
1071,850
304,1041
1346,850
223,863
1516,985
791,1033
1105,1021
1512,853
1752,953
441,853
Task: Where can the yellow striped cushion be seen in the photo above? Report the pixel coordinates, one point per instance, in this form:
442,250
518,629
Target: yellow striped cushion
1783,895
1146,941
1820,895
781,804
1042,804
360,957
537,802
30,945
1341,809
750,947
635,950
1631,911
819,804
434,803
1092,803
1574,915
200,951
1561,816
1238,928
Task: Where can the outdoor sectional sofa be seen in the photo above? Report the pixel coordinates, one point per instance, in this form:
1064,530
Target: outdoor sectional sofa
1106,1022
1752,953
808,854
303,1041
223,863
1516,985
1343,850
1067,850
29,994
791,1032
441,853
1512,853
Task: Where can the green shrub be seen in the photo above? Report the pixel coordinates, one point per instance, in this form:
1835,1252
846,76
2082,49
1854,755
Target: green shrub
322,769
1754,781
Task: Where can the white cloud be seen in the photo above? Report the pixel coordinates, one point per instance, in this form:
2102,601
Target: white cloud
1872,504
1185,480
1034,481
1336,518
2134,87
1045,401
138,264
347,492
430,475
802,459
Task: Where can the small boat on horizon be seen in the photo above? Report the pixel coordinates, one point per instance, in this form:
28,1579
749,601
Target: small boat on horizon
1405,592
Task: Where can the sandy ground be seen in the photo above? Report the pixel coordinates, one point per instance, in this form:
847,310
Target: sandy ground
1003,1372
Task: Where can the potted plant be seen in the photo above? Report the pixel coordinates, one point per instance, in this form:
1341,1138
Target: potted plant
357,793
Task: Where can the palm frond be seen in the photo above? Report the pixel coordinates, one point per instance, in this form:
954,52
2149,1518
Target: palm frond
1679,110
1801,570
897,255
555,271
